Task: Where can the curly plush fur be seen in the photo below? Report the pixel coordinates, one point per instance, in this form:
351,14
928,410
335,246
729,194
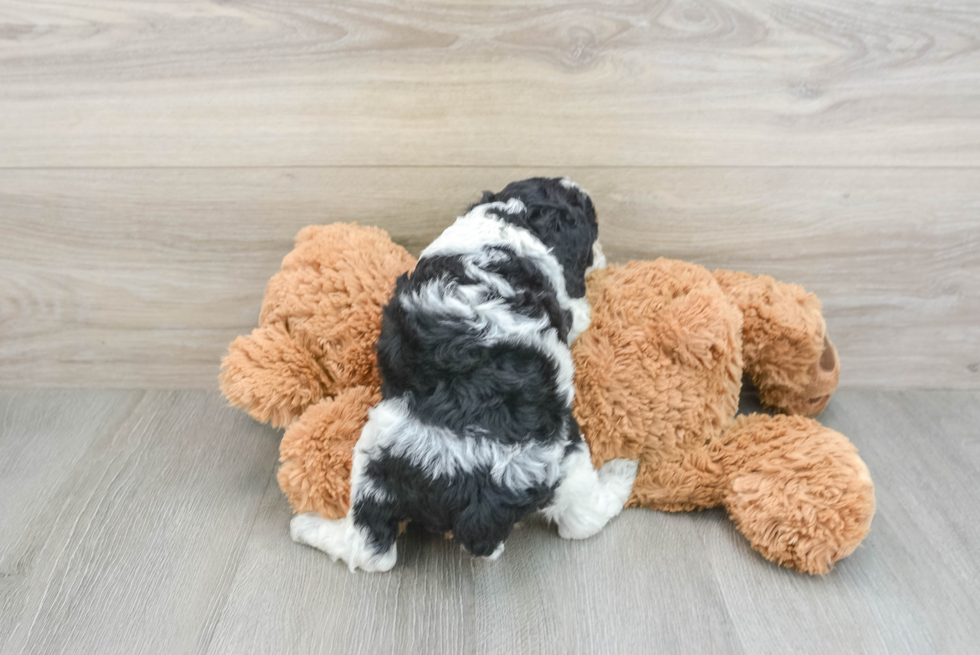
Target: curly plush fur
319,322
658,375
785,342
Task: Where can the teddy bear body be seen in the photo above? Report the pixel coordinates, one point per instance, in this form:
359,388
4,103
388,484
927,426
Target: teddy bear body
658,377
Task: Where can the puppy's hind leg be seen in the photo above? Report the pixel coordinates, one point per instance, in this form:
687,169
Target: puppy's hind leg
586,499
343,539
365,538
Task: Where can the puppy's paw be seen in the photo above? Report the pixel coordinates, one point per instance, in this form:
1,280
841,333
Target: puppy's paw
580,526
497,552
377,563
303,528
617,477
313,530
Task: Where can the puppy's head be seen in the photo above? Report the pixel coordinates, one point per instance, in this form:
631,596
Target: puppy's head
561,215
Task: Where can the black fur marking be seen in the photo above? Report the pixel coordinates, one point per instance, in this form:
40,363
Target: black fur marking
480,512
451,376
433,268
535,295
563,219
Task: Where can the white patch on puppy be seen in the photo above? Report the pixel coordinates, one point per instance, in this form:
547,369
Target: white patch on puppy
391,429
341,539
586,499
598,258
485,229
495,555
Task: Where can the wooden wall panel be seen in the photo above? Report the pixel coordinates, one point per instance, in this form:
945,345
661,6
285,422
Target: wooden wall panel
541,83
141,277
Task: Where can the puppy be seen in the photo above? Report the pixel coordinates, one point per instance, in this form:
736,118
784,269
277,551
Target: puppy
475,428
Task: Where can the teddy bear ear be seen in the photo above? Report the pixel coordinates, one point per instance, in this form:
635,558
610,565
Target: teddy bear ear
311,232
271,376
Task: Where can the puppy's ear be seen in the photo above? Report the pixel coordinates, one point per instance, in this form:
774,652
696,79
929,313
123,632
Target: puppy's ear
488,196
565,229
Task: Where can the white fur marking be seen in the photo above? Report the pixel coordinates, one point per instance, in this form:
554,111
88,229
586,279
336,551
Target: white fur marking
472,233
441,453
569,184
587,499
598,258
497,552
341,539
497,323
581,317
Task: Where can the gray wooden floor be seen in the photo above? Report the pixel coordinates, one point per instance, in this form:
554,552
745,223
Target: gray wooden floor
150,521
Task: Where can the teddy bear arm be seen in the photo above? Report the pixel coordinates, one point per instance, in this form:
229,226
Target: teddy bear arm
272,376
796,489
787,353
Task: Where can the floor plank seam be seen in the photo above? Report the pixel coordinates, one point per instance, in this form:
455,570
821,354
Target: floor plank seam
739,642
212,630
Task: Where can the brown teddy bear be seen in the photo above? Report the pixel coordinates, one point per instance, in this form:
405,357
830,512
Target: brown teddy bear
658,376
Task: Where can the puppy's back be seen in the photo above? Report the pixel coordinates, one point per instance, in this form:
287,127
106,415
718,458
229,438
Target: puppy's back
474,362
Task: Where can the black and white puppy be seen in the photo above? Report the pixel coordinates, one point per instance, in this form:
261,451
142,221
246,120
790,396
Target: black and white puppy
475,428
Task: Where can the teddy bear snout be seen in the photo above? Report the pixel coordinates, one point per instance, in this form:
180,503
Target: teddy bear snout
828,360
824,373
817,404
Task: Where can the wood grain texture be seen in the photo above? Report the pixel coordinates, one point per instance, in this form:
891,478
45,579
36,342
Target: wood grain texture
645,584
168,534
42,437
551,596
290,598
142,277
544,83
136,548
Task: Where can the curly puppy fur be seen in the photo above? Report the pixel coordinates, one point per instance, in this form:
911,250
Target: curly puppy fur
475,427
657,378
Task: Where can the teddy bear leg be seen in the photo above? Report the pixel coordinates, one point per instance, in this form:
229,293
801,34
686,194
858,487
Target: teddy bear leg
586,499
787,352
316,452
796,489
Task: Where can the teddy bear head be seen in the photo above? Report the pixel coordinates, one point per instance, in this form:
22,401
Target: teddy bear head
788,353
320,319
